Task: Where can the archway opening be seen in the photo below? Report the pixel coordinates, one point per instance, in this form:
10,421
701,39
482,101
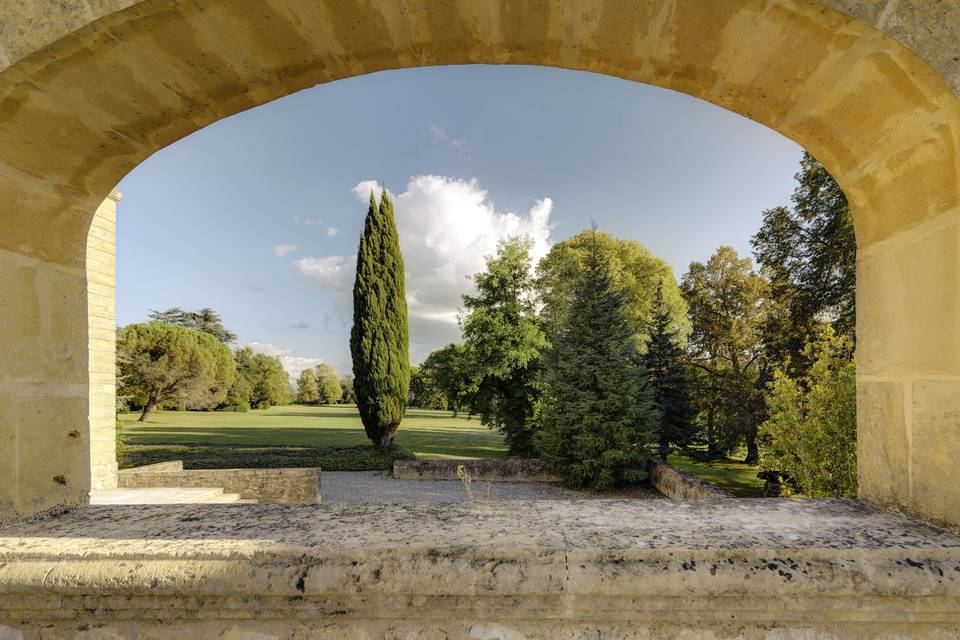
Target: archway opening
877,115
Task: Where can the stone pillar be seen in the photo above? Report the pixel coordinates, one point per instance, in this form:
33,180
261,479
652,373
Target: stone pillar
908,365
102,329
44,397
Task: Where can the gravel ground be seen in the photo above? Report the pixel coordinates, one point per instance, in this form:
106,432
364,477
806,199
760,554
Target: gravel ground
378,487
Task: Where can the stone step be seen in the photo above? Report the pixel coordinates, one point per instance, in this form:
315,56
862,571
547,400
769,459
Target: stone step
223,498
156,495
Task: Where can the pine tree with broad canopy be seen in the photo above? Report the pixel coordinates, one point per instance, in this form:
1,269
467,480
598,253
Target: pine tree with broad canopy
379,340
597,420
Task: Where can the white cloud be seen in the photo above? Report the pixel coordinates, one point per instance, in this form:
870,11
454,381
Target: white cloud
447,228
307,221
364,188
331,272
281,250
293,364
440,137
332,231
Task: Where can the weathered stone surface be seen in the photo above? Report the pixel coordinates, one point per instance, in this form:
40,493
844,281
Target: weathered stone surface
509,470
542,569
265,485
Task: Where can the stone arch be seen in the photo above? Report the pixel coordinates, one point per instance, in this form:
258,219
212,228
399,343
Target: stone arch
90,89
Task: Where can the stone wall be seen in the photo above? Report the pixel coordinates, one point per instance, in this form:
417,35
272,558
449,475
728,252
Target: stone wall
102,341
510,470
263,485
680,485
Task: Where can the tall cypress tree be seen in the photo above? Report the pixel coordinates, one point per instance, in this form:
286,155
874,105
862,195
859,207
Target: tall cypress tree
597,421
668,381
379,340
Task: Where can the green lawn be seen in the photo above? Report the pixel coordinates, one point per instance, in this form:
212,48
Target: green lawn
733,476
428,434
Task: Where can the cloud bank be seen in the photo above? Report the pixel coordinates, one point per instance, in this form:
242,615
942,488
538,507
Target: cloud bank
447,227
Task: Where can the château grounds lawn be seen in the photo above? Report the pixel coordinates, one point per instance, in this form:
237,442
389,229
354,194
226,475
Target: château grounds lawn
733,476
330,437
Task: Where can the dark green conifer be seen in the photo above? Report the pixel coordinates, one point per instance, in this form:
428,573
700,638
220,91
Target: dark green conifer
379,340
667,377
597,421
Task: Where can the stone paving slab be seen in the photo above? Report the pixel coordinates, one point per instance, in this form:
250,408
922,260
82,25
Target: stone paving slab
157,495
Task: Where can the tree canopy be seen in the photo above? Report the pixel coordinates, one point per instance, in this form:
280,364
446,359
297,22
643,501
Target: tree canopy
205,320
727,303
165,363
265,376
450,371
809,253
635,270
328,384
307,391
502,333
810,436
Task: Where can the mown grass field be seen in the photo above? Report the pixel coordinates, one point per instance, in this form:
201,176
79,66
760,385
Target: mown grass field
302,432
728,474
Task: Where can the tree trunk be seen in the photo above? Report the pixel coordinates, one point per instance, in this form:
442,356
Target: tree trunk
664,448
753,453
148,409
456,411
713,448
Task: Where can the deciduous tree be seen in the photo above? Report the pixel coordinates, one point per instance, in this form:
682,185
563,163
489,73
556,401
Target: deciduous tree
449,370
503,337
635,270
810,436
727,303
307,391
809,253
328,384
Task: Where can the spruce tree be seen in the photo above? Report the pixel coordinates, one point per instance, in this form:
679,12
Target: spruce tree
379,340
669,385
597,420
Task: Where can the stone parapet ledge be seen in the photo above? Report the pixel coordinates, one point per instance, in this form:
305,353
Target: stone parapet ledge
534,570
503,470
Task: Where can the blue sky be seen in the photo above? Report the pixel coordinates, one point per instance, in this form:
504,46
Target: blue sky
258,216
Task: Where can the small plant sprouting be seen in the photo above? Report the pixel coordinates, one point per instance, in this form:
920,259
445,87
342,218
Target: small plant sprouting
464,475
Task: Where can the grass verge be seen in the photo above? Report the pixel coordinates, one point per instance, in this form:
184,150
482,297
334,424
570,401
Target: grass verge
733,476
